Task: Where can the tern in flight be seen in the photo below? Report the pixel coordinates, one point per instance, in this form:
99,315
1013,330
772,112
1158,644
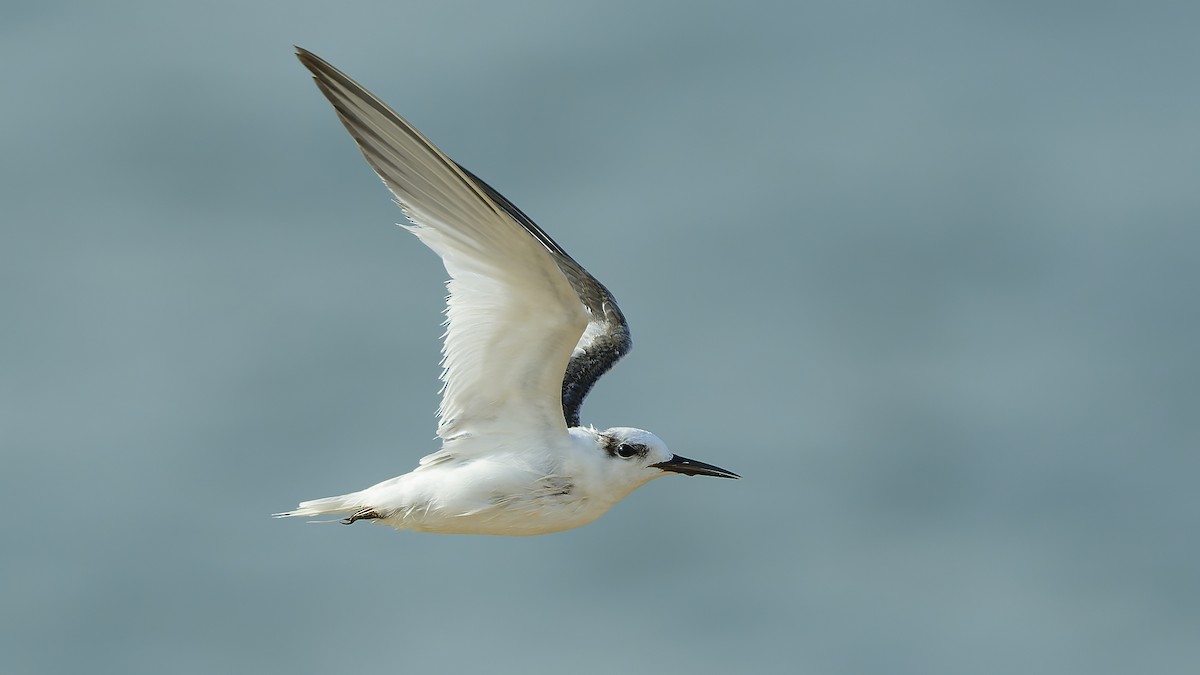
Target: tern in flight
529,331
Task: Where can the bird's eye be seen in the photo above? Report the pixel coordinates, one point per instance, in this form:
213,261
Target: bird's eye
626,450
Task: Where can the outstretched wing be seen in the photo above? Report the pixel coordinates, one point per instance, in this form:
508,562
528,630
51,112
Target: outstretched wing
607,336
514,319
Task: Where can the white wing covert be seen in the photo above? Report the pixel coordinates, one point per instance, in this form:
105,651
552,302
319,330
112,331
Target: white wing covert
513,318
606,338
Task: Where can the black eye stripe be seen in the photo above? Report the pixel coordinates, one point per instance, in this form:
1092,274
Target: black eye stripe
624,449
628,450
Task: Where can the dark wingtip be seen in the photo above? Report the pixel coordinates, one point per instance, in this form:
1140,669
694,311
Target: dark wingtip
310,60
315,64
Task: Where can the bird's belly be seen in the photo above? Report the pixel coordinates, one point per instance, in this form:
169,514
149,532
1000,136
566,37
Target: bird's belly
508,520
475,499
506,516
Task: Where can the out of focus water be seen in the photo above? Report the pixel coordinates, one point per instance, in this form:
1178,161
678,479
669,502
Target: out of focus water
924,273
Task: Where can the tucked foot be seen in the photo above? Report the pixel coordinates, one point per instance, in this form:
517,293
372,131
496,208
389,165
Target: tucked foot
362,514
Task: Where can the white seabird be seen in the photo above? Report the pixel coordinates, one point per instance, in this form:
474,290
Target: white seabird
529,331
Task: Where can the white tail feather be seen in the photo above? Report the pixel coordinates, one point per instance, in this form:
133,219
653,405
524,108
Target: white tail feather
328,505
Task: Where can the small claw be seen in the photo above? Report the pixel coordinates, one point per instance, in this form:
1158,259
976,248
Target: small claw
362,514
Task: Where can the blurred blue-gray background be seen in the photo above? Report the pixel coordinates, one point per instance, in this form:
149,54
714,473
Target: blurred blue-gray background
924,273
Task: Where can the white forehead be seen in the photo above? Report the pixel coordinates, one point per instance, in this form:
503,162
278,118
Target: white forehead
637,436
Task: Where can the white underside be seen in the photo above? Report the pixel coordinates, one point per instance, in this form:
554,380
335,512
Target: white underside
518,492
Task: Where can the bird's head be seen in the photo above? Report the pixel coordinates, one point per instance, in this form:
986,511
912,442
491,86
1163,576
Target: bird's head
636,457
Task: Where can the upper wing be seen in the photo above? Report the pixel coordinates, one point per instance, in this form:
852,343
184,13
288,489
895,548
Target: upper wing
513,318
607,336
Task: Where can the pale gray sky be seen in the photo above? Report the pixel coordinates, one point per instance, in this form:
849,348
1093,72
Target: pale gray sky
924,273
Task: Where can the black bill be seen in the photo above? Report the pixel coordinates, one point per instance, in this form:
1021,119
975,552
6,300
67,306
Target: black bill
691,467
